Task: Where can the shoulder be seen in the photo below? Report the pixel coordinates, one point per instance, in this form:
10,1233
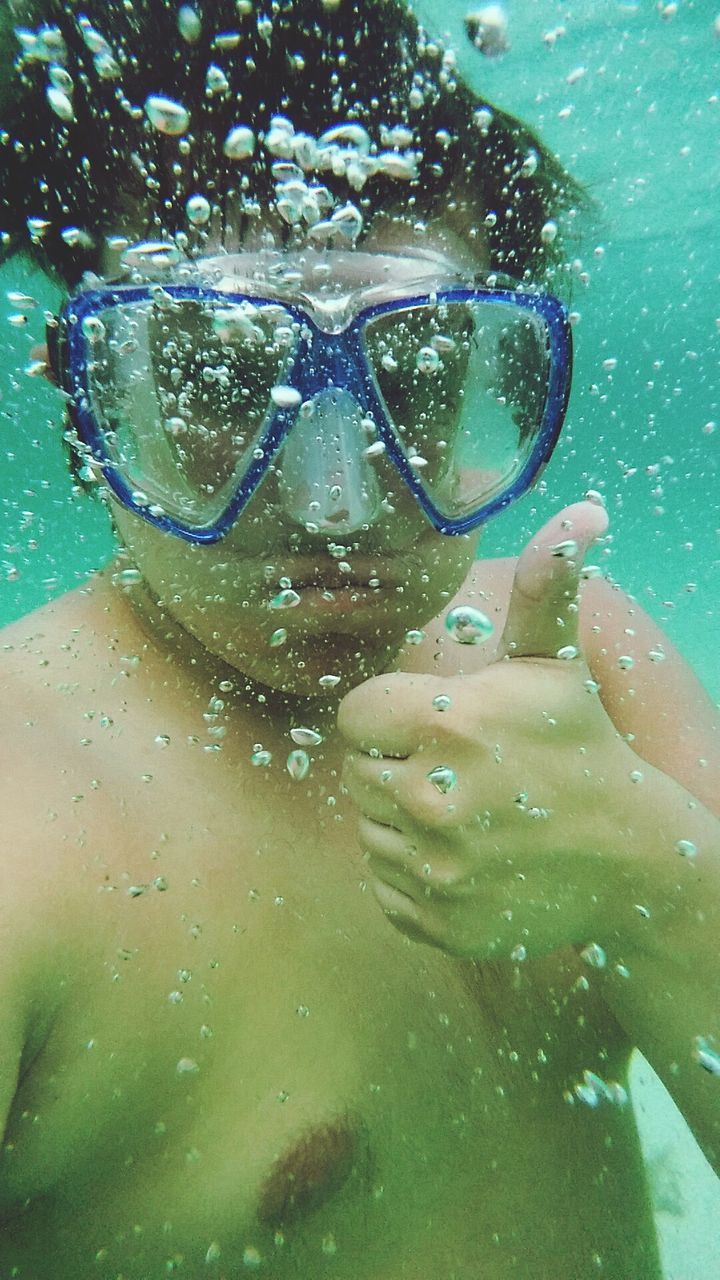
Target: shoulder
42,839
650,692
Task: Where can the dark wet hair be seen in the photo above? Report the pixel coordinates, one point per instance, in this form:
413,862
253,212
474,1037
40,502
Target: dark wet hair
66,182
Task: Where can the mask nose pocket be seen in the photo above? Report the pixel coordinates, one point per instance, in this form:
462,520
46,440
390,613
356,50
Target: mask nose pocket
324,478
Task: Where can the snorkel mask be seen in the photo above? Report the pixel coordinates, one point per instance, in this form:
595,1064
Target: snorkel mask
322,376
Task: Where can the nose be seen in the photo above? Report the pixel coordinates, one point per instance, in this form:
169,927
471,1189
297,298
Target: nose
326,482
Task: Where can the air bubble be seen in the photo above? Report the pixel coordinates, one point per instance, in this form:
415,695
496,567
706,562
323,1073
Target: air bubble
530,164
189,24
93,329
285,397
483,119
306,737
166,115
60,79
216,81
151,256
706,1056
375,450
239,143
348,221
92,38
197,210
61,104
287,599
468,626
594,955
260,758
443,778
443,344
106,66
404,168
487,29
298,765
442,702
329,682
686,848
414,636
565,550
428,360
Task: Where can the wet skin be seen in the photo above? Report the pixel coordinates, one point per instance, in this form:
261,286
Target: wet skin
229,1059
324,1096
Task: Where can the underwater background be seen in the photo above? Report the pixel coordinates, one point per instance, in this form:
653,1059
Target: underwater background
628,94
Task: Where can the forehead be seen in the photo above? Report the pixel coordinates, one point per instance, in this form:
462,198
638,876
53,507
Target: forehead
452,238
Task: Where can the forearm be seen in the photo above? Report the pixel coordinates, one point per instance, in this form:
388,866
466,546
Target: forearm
662,976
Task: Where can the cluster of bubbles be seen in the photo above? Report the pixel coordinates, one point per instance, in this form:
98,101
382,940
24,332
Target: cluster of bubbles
594,1090
47,45
297,158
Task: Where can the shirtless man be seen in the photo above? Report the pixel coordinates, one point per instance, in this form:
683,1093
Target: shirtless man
327,935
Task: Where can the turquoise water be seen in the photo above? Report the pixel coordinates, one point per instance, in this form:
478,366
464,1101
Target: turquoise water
631,101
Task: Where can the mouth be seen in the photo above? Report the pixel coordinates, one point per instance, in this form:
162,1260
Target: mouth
369,577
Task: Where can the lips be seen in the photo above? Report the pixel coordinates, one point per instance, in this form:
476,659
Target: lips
331,578
336,582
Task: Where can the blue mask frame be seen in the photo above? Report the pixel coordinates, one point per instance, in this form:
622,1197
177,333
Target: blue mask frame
321,360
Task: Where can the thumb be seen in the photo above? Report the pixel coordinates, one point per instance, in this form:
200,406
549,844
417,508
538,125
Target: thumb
542,615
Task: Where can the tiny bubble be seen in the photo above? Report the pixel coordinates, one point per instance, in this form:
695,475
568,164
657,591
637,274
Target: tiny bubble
686,848
594,955
706,1056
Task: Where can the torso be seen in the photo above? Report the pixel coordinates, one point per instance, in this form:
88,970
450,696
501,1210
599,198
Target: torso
249,1068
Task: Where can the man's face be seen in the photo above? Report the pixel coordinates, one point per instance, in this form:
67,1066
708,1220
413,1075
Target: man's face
360,589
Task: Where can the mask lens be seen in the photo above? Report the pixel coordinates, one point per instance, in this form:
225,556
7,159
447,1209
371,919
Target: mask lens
181,391
464,385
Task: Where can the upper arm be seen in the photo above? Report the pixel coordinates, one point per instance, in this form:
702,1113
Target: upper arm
658,699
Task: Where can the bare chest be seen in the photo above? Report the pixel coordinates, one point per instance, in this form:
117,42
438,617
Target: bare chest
252,1068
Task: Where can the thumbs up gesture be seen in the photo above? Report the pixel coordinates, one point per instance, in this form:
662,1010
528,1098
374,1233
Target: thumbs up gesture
485,800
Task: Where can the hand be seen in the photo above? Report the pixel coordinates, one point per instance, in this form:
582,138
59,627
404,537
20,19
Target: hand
508,849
